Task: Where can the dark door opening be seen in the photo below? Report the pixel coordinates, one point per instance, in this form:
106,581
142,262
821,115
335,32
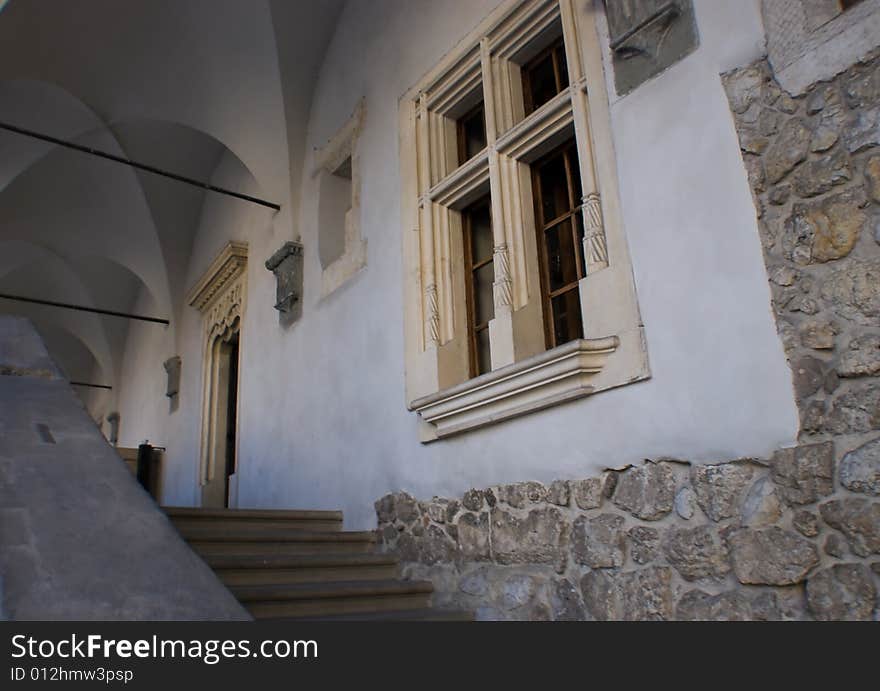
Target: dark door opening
231,415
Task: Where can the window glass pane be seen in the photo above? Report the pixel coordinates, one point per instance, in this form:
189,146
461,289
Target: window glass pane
484,357
554,189
481,234
561,262
541,81
579,226
567,317
575,172
562,66
484,306
472,134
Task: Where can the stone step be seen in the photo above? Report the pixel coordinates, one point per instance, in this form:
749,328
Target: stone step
185,518
265,569
428,614
257,542
301,565
333,598
248,533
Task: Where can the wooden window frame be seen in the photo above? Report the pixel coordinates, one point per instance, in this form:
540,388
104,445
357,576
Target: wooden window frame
553,50
478,110
435,188
568,151
470,269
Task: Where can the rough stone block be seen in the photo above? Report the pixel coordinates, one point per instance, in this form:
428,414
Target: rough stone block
733,605
806,523
804,473
473,536
820,175
858,519
771,556
696,552
565,601
788,149
536,539
647,492
644,544
844,592
860,469
522,494
598,542
857,410
762,506
862,358
823,231
640,595
853,291
588,494
720,488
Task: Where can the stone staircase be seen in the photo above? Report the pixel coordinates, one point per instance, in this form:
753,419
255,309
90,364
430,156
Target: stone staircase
302,565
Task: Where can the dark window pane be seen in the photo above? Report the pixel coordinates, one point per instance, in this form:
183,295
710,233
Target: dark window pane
554,189
562,66
544,76
482,242
540,82
579,226
471,134
575,172
561,262
567,317
484,306
484,356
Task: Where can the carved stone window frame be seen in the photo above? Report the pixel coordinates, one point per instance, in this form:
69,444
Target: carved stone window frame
220,296
328,159
524,376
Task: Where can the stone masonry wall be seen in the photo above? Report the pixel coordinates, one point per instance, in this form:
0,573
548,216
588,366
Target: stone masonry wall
814,168
789,538
793,537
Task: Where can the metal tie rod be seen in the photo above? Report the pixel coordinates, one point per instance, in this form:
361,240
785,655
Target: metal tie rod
82,308
91,386
135,164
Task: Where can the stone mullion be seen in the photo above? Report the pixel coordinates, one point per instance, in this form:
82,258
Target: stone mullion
429,287
595,244
501,340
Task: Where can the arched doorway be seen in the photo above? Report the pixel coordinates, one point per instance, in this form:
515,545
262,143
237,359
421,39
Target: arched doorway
220,297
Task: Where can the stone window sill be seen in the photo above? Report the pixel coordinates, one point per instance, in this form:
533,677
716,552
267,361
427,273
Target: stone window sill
555,376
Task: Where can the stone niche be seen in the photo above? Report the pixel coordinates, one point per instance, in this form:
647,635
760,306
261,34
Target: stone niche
648,36
287,265
752,539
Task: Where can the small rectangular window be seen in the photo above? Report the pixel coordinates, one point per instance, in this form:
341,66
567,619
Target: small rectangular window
544,76
471,133
479,279
556,183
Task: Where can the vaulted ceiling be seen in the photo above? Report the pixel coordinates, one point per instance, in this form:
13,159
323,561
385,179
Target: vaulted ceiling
182,85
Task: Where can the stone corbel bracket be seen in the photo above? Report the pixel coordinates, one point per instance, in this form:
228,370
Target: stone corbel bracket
172,370
287,265
647,37
555,376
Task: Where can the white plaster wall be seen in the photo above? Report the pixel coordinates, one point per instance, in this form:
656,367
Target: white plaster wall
145,411
325,423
